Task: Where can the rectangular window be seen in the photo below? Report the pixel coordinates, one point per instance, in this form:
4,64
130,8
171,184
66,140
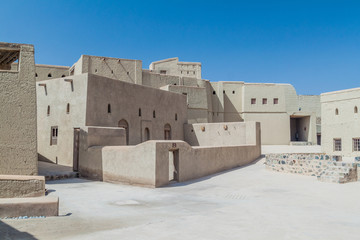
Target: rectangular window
162,71
264,100
253,101
276,101
356,144
53,135
337,144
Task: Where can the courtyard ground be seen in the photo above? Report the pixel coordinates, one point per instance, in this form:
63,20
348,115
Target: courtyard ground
245,203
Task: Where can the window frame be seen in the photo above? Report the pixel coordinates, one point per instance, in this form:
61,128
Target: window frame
54,133
337,145
356,144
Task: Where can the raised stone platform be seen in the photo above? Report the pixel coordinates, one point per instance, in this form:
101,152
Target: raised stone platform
20,186
30,207
326,168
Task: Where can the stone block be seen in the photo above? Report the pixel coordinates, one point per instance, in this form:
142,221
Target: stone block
31,207
19,186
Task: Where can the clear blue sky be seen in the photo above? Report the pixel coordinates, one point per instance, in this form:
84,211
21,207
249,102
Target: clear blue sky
314,45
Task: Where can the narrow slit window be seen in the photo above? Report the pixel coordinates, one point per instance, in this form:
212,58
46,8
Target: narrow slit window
139,112
68,108
109,108
336,111
355,109
48,110
176,117
154,114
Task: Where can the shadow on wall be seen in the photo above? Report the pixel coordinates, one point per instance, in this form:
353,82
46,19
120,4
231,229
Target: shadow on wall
232,113
8,233
181,184
90,159
43,158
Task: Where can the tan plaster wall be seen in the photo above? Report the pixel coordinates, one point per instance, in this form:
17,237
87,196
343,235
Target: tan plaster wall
219,134
18,153
172,66
159,80
147,164
268,91
120,69
126,99
58,94
275,127
345,126
103,136
197,104
43,72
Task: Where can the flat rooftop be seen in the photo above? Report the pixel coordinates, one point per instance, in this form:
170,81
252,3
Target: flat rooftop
245,203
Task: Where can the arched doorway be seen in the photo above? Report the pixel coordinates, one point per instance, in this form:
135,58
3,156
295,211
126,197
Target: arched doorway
147,134
167,132
124,124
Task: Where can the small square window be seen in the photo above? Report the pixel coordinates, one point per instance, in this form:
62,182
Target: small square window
162,71
276,101
337,144
356,144
253,101
264,101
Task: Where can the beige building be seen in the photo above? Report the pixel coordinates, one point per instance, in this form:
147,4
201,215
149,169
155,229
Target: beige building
172,66
341,122
18,153
108,121
285,117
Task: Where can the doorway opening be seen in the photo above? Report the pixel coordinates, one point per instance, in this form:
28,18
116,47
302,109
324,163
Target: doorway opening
174,166
299,128
147,134
124,124
76,149
167,132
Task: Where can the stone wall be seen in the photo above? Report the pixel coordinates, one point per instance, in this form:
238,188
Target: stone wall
327,168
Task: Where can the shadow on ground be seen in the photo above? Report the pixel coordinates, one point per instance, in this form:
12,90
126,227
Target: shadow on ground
9,233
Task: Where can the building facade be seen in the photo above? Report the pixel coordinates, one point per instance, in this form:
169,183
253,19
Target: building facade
341,122
285,117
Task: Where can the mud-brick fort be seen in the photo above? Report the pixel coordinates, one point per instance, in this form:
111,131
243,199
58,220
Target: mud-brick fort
112,120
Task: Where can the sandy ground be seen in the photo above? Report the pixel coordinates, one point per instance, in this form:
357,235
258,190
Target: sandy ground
245,203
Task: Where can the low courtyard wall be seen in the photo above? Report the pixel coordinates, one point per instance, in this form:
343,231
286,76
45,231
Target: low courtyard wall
156,163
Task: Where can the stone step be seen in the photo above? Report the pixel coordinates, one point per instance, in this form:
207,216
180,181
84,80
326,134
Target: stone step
20,186
55,176
29,207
